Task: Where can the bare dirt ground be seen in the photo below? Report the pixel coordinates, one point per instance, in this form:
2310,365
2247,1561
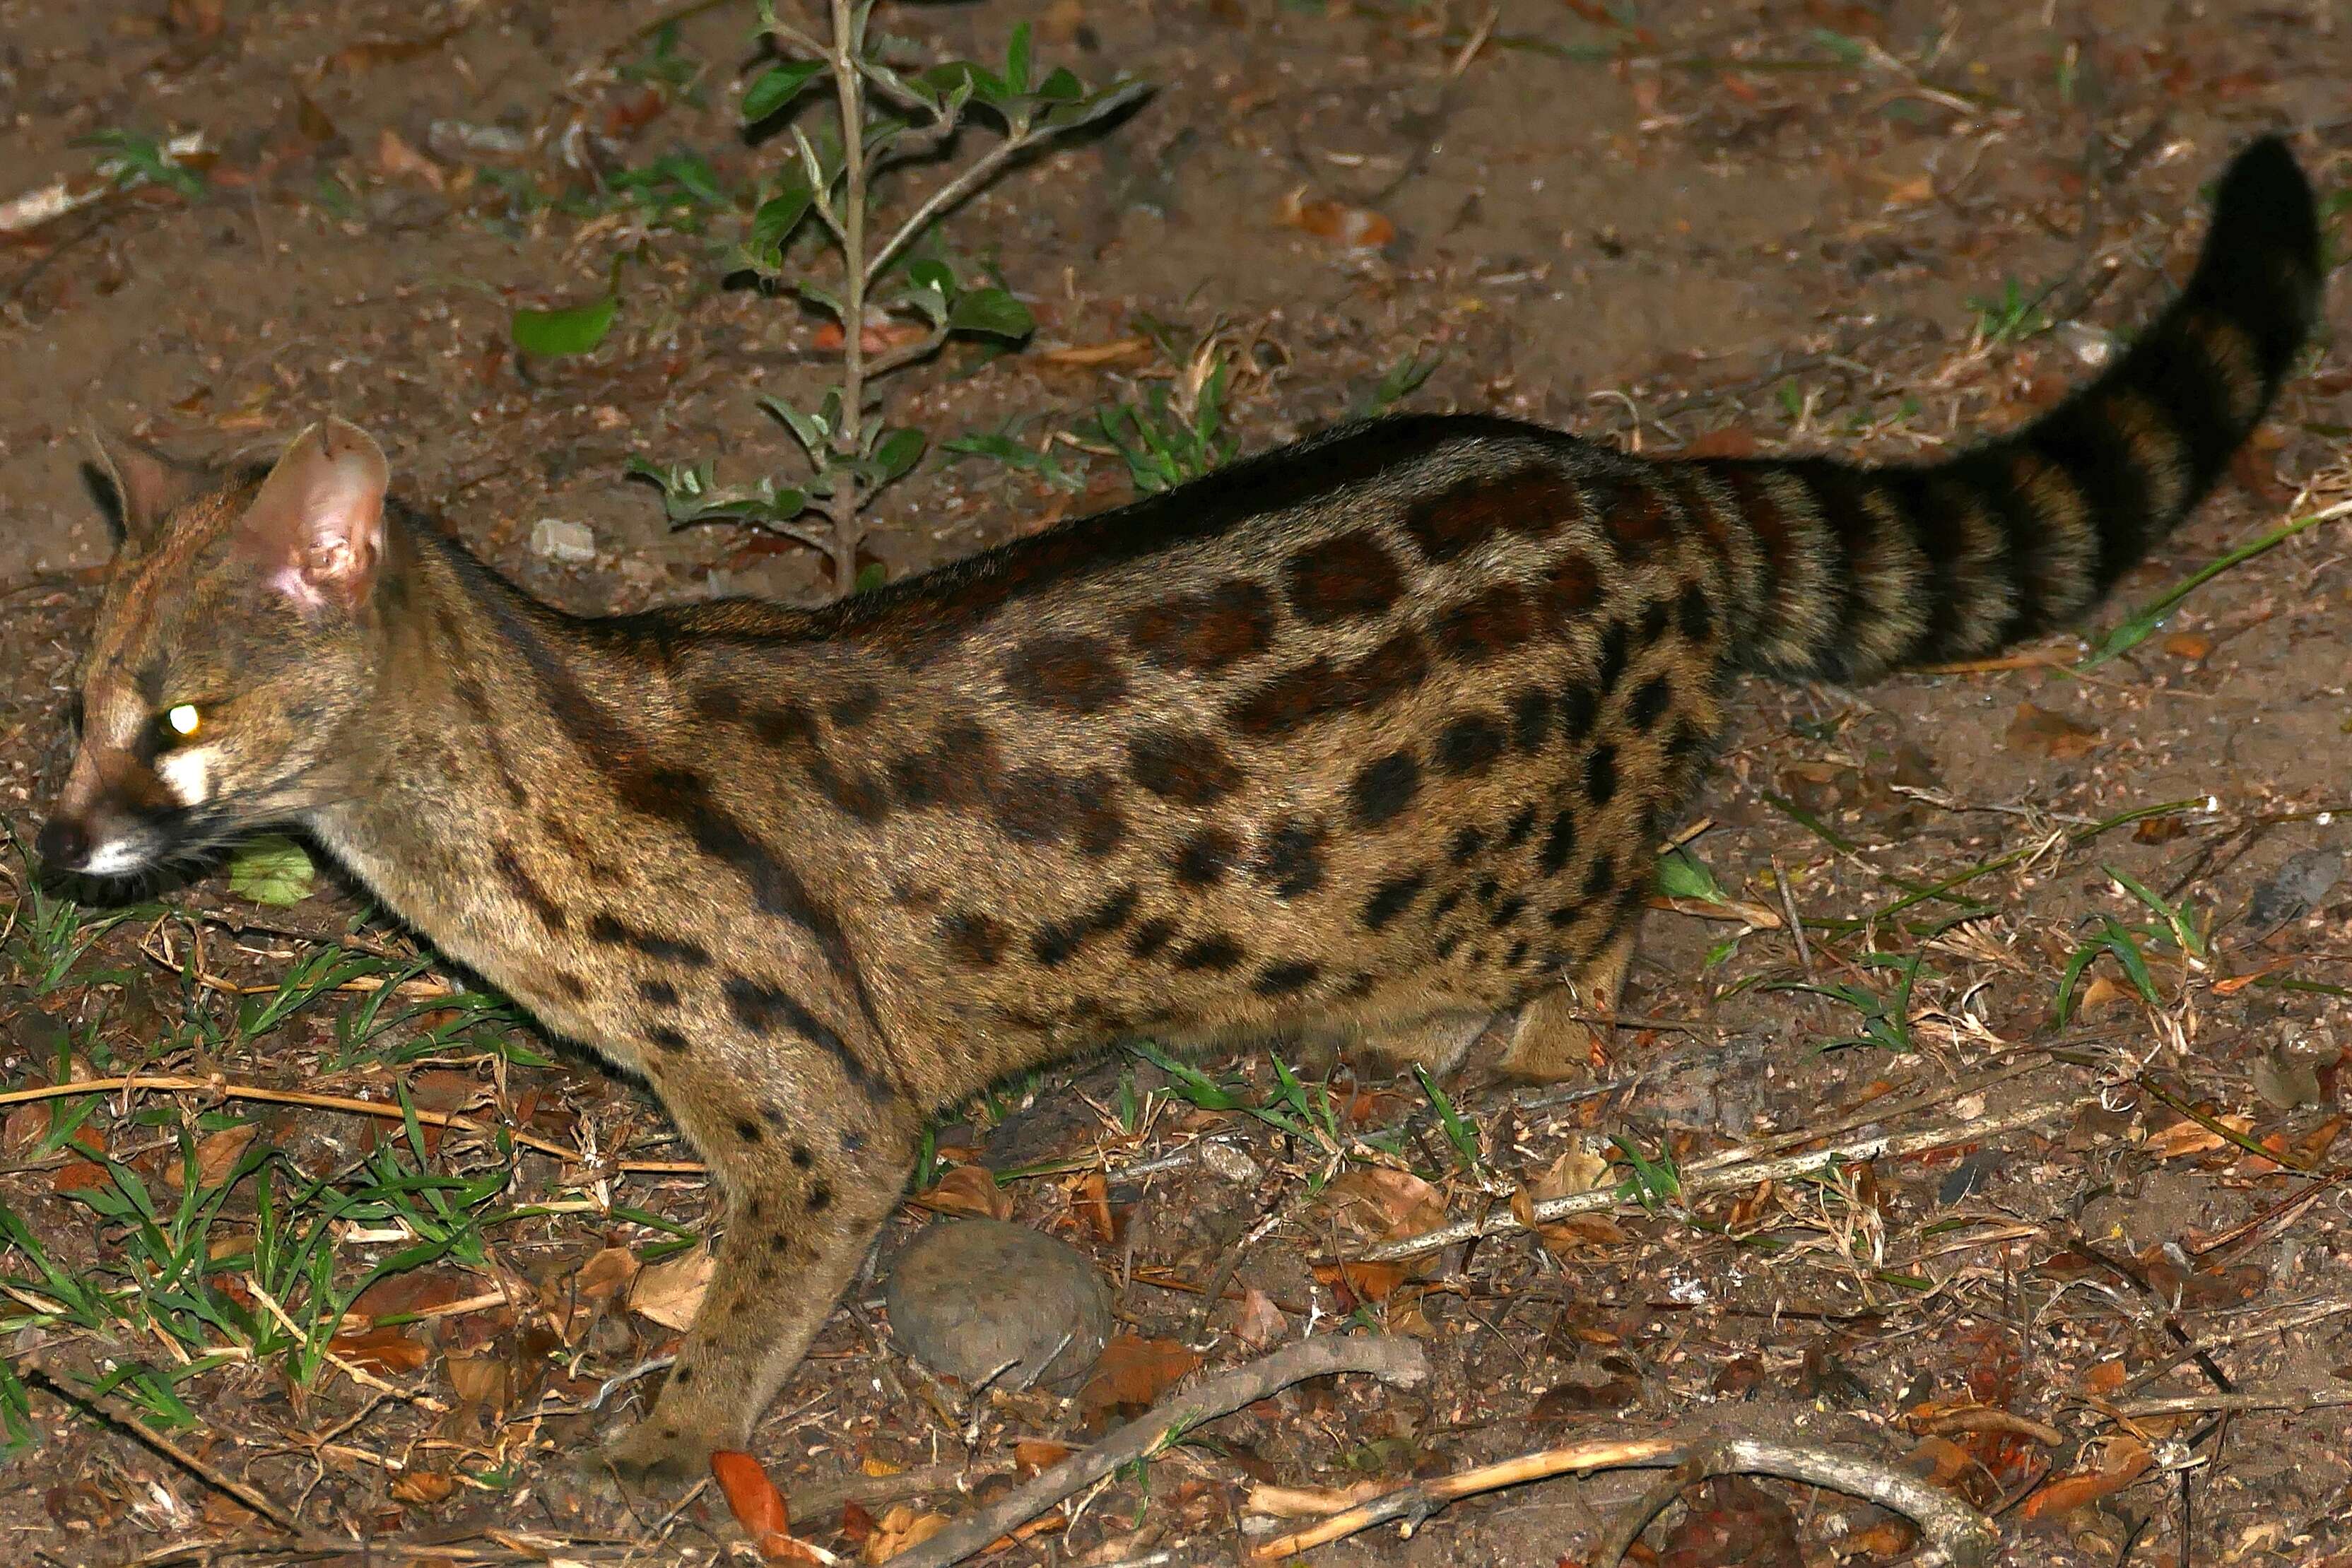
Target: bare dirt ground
2109,884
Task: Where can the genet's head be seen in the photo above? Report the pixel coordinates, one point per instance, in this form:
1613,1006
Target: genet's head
238,639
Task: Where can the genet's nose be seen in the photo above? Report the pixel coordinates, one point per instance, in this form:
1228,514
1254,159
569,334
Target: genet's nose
64,844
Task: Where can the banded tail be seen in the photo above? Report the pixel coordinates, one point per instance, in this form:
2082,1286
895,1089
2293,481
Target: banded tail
1862,570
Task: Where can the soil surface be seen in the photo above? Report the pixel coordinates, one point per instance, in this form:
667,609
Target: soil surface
2108,886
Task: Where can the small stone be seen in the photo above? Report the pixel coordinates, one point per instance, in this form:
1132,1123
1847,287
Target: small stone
557,540
1227,1163
2302,881
971,1296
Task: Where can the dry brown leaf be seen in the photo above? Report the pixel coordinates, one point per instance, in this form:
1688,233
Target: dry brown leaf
1085,356
607,1273
2126,1460
1258,1321
1132,1372
2192,645
2101,994
483,1380
1091,1204
970,1190
380,1350
1030,1455
425,1487
2052,734
2186,1137
2104,1378
670,1292
27,1125
1358,1284
1375,1202
1912,193
899,1530
397,159
1358,228
216,1156
759,1507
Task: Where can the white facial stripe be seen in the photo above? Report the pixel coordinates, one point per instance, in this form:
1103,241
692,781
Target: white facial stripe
187,774
116,857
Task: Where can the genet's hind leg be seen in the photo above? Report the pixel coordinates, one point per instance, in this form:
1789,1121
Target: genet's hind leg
1553,1038
1435,1041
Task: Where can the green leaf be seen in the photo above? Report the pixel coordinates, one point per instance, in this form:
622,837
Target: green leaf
574,329
825,300
1682,874
778,216
272,869
777,86
1061,86
899,450
1017,60
992,311
870,576
929,274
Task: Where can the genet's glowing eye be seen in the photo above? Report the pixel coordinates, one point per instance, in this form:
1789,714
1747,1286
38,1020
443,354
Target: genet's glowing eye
184,719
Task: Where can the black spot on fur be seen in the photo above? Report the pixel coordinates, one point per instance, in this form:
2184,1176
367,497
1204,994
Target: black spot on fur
1521,824
1150,936
660,993
1214,954
1600,774
1202,860
1469,745
1650,703
613,932
1391,898
1384,787
1559,843
1531,719
1058,943
1694,614
1286,980
1291,859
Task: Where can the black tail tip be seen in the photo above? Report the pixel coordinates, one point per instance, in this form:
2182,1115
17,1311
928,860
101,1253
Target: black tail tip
2265,204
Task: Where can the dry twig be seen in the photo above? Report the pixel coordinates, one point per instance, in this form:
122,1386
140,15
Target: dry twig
1392,1360
1733,1178
1960,1535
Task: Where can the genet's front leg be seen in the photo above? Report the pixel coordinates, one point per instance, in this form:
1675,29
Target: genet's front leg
803,1205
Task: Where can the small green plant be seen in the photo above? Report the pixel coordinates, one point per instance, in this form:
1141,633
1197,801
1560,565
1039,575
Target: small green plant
2009,316
897,285
1460,1131
1399,381
1178,432
1886,1020
130,161
667,69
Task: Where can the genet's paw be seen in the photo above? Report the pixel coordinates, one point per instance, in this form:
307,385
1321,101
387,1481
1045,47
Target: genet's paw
656,1454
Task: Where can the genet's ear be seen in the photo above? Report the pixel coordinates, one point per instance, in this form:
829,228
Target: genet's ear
316,527
147,484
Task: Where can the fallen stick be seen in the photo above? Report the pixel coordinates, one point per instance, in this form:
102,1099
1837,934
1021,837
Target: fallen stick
1392,1360
2239,1399
383,1108
1500,1220
1962,1537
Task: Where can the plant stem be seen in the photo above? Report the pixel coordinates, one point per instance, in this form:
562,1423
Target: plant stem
953,191
849,84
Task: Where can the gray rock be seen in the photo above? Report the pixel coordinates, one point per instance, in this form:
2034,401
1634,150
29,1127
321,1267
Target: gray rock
968,1296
